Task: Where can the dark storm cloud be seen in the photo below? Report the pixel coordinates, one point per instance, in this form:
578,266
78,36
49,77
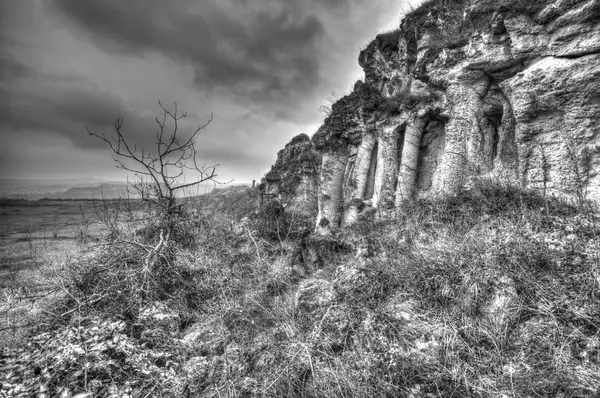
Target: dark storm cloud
259,54
62,106
262,66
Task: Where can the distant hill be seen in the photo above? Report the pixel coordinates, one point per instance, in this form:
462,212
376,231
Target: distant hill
235,199
38,188
104,191
73,189
94,190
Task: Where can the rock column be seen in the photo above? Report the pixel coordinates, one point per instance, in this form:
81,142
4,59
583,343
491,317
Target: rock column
331,181
507,157
387,167
462,125
407,177
360,177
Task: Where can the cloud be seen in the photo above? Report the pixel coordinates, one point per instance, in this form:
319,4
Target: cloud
30,101
10,68
35,107
263,67
265,55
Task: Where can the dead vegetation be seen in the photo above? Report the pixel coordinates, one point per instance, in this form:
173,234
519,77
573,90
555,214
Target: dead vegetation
493,292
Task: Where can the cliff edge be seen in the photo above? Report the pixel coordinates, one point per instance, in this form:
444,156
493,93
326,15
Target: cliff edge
293,178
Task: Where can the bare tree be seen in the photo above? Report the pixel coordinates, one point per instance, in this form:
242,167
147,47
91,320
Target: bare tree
159,172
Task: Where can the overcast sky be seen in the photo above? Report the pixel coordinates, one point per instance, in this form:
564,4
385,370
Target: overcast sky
262,67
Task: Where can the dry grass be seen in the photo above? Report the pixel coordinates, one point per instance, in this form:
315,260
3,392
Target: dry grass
493,292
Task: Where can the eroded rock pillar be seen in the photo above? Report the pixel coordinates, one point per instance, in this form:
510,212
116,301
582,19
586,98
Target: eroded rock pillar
407,176
370,187
331,184
387,167
360,176
507,157
462,126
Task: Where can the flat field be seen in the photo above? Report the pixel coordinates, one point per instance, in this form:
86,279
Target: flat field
51,226
36,240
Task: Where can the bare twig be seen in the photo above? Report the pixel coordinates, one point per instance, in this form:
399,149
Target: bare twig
159,172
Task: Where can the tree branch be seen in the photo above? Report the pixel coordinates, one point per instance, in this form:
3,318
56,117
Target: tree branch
166,165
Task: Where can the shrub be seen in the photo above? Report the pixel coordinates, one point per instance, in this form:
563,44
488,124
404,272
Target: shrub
273,222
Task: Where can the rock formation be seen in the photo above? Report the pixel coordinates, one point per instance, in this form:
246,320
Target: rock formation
292,180
506,90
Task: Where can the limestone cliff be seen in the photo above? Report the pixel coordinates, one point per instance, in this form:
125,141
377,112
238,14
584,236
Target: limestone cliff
503,89
292,180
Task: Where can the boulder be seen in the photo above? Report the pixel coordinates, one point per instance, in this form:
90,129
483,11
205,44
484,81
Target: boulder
313,297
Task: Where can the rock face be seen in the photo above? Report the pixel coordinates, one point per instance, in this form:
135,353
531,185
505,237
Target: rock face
503,89
292,180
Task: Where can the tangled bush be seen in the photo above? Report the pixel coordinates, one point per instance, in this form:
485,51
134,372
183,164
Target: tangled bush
123,275
275,223
183,228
